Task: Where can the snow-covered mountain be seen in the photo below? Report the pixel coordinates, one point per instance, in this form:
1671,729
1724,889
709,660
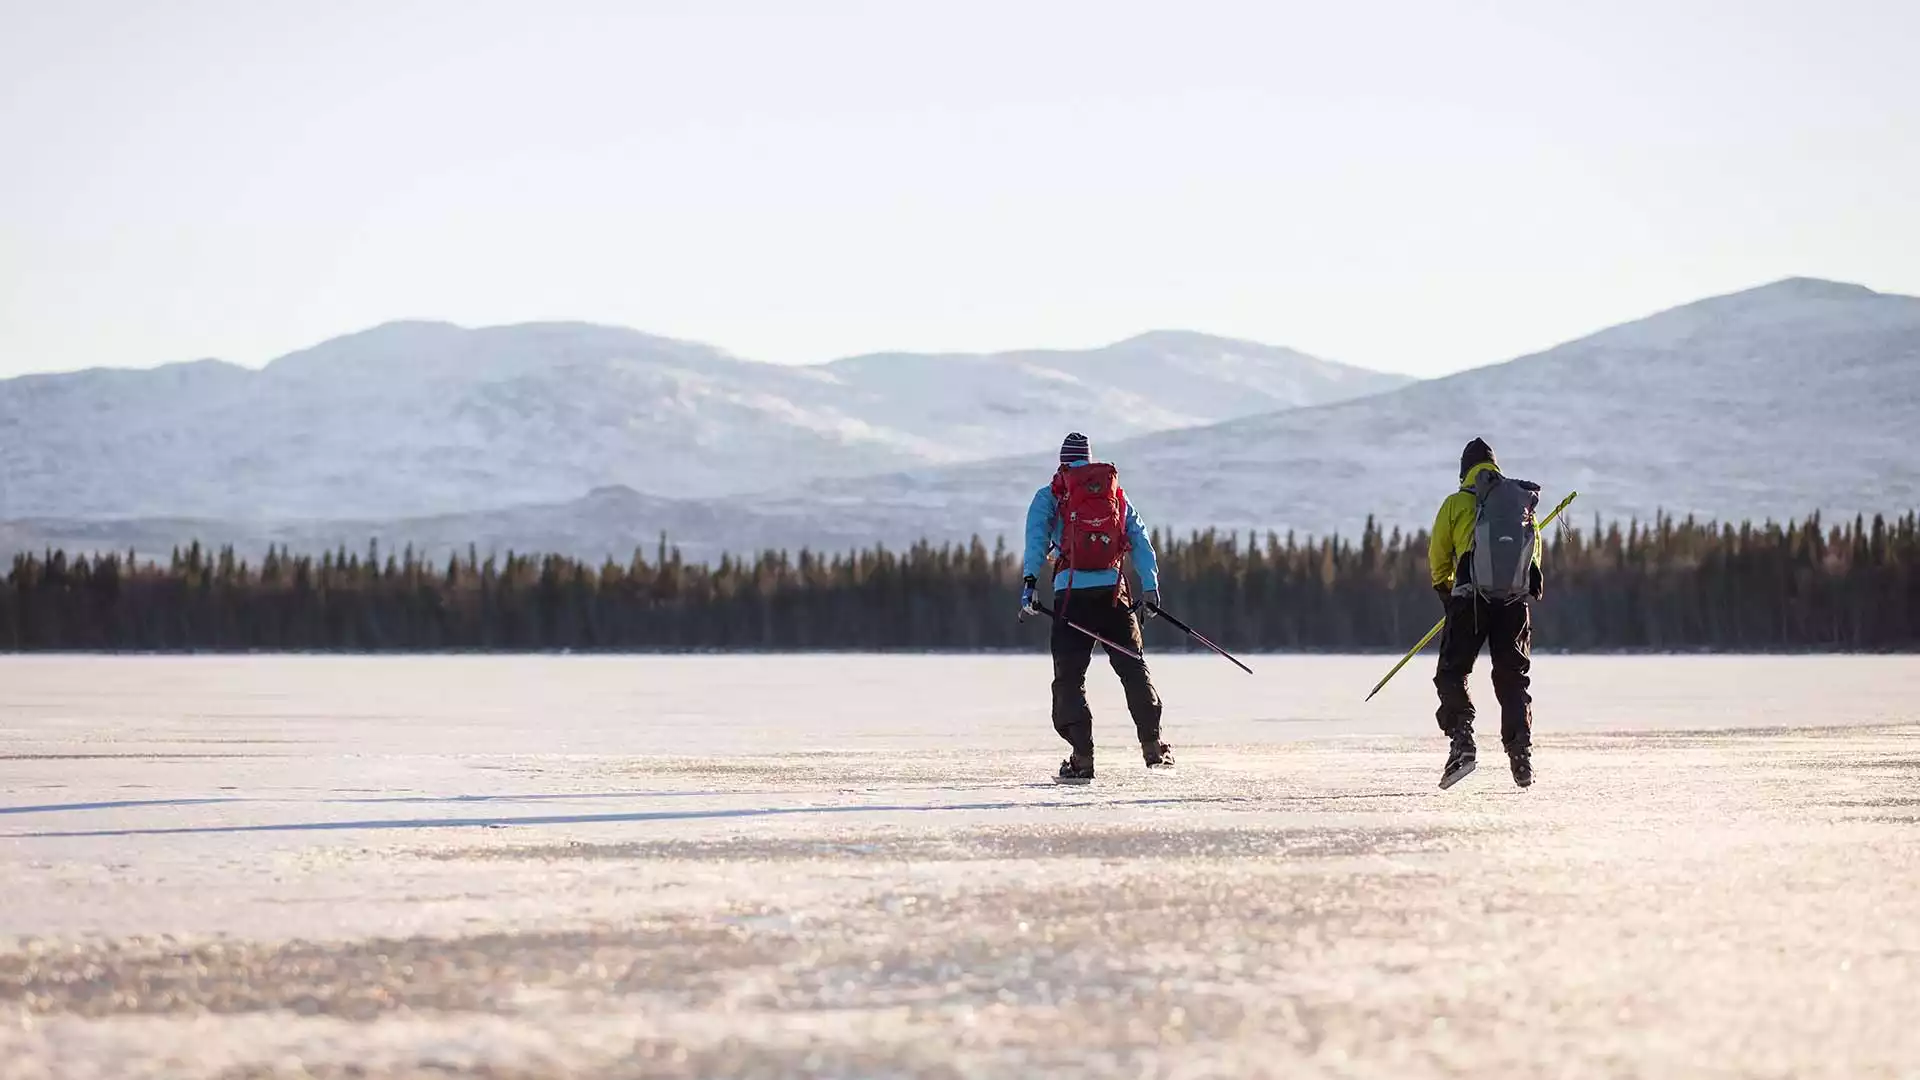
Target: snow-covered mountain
607,522
413,419
1774,402
984,406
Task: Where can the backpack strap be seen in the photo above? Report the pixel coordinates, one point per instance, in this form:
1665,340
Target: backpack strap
1061,483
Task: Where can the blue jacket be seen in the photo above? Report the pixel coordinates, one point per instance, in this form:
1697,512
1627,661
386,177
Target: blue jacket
1043,534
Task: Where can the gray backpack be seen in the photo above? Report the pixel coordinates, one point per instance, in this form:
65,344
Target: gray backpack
1504,536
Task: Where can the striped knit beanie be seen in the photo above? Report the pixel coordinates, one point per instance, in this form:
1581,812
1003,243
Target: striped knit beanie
1074,448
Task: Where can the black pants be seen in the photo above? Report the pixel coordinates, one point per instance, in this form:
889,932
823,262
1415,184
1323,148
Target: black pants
1507,631
1098,611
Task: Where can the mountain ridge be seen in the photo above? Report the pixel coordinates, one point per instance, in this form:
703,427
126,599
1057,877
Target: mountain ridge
1163,335
1773,402
1827,347
417,416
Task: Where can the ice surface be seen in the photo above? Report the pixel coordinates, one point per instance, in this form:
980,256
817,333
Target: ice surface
855,866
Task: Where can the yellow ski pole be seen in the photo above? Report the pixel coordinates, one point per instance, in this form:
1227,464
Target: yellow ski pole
1437,627
1411,653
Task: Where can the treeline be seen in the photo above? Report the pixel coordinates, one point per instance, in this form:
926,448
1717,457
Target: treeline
1679,585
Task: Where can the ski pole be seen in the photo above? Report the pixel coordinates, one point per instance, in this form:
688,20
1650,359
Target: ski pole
1437,627
1114,645
1431,634
1196,635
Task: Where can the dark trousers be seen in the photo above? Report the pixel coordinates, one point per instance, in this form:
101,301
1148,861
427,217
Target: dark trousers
1105,613
1507,631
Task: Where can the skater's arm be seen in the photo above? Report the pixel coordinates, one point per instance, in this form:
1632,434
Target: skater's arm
1440,553
1140,543
1042,519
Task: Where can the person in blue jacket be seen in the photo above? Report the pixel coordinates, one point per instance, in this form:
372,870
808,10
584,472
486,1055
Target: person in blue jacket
1098,600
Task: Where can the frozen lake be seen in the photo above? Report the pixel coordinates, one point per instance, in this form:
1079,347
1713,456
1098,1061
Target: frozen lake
855,866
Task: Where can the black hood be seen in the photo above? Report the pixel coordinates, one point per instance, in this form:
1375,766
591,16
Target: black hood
1476,453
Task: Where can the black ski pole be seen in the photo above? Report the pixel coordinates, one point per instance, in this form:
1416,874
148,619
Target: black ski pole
1196,635
1114,645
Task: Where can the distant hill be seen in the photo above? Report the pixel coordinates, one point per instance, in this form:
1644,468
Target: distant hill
1773,402
413,419
608,522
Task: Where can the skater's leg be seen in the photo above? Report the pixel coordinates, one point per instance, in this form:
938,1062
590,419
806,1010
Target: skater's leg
1143,701
1460,642
1459,647
1510,644
1072,650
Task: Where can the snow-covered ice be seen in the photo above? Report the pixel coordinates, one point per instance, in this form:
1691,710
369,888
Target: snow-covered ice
855,866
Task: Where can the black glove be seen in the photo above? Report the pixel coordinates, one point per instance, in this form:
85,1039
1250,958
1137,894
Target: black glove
1445,593
1536,582
1027,603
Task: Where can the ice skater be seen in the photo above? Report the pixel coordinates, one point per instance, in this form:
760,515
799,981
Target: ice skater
1083,520
1485,557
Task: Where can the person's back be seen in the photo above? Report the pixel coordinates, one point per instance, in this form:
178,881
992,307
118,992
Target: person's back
1485,561
1080,531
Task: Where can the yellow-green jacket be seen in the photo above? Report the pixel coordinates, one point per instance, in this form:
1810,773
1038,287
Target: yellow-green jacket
1453,529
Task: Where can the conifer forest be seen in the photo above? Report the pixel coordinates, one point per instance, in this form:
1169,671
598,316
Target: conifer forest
1675,585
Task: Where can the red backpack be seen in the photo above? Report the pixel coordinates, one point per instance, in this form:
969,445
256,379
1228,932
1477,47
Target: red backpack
1093,517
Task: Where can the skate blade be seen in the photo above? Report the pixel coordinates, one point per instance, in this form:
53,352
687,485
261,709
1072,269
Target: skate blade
1458,775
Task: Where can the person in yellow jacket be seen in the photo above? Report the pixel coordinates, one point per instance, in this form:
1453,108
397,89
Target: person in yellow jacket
1506,629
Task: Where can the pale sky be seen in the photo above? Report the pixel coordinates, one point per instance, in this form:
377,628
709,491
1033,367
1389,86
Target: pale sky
1418,186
